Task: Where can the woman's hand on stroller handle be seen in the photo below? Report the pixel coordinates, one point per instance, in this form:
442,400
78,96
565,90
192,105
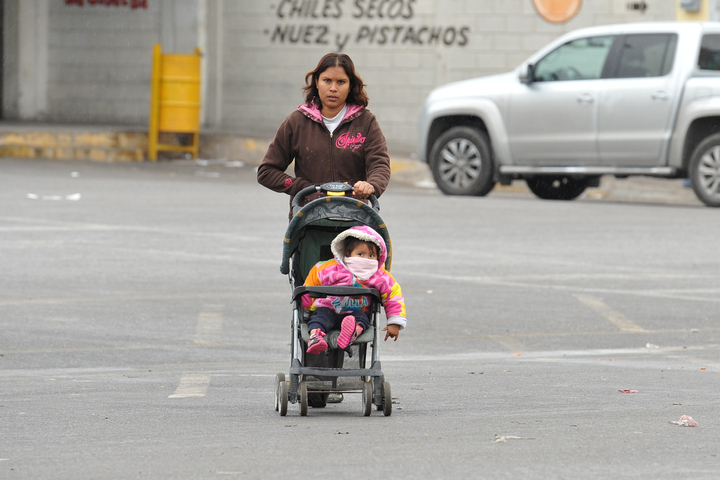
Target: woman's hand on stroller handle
363,189
393,331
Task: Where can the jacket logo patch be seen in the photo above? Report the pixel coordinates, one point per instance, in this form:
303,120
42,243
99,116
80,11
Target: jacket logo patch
348,303
345,141
288,182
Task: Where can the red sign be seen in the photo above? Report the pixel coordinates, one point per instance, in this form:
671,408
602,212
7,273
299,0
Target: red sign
134,4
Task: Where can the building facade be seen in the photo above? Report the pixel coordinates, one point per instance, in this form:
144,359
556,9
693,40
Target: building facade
89,61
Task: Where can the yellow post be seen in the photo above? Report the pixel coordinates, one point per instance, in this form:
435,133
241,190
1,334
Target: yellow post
175,102
154,104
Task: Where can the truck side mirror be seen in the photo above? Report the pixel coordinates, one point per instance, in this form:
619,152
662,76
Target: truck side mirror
528,75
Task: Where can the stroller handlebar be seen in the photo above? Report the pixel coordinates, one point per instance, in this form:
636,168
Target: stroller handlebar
331,189
300,196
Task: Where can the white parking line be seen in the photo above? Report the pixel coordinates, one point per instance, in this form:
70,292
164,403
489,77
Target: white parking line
510,342
536,282
192,385
544,355
208,332
617,319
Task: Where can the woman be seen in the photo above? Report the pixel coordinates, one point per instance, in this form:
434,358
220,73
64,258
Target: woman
332,137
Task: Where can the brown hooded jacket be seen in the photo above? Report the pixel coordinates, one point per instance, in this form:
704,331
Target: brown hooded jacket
355,151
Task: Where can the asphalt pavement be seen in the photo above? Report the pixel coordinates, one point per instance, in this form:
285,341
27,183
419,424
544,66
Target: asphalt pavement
144,318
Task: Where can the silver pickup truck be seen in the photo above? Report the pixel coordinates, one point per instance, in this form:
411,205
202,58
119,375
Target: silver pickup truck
633,99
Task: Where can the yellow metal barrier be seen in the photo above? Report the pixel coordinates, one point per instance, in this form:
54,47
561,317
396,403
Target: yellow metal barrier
174,100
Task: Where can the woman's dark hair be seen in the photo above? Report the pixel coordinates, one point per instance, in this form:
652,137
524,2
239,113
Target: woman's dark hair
349,244
357,93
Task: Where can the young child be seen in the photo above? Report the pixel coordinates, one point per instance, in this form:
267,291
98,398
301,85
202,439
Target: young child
360,254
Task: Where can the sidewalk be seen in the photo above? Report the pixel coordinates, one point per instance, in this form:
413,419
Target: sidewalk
117,143
632,189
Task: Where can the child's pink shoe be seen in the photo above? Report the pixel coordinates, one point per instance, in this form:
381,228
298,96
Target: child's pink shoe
349,331
317,343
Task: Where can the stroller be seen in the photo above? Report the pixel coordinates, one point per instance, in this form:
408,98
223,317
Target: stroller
313,379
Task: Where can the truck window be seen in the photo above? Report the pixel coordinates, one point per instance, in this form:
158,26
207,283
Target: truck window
581,59
646,55
709,58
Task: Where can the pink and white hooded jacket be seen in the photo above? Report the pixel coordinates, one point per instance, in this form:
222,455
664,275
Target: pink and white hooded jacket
335,273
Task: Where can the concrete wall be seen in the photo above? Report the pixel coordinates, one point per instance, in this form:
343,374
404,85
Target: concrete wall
100,57
25,58
88,61
11,69
268,47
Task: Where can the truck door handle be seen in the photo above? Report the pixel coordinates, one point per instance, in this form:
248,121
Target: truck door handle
586,98
660,95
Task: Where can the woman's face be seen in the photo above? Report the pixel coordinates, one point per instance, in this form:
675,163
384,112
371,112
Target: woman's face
333,86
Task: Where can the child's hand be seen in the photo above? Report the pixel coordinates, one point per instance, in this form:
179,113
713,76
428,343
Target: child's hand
393,331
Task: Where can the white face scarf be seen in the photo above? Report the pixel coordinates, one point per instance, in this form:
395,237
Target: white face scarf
362,268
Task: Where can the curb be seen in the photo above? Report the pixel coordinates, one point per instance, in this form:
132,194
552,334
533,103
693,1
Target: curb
117,144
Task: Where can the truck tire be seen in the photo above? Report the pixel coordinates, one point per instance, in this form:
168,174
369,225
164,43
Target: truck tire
705,171
461,162
556,188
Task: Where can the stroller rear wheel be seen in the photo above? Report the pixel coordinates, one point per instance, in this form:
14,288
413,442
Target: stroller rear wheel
303,399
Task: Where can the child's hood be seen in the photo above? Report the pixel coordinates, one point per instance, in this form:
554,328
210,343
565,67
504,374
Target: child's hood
364,233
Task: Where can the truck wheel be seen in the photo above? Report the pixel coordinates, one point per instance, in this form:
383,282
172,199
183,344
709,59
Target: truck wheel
556,188
705,171
461,162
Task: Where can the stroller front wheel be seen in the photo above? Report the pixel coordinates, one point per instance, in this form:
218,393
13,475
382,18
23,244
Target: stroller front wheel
280,377
387,400
367,399
281,395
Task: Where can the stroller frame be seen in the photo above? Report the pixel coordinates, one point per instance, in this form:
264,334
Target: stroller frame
312,378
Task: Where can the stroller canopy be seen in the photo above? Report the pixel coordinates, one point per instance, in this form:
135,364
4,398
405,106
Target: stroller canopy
333,214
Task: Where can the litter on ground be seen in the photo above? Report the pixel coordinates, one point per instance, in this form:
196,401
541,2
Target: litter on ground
685,421
505,438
